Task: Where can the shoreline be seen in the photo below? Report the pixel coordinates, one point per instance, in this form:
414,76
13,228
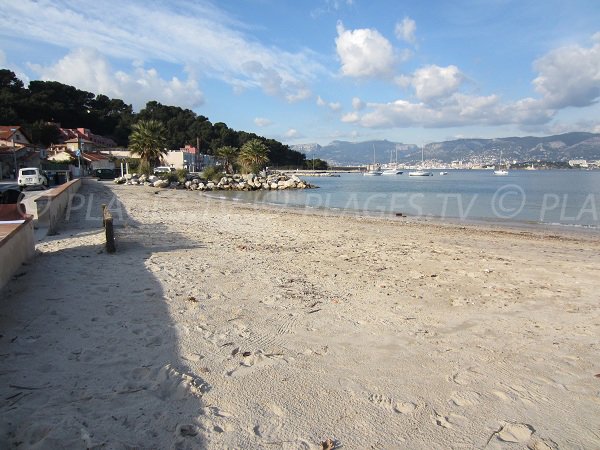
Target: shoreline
223,325
575,232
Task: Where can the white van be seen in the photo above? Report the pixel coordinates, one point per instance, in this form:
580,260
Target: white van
31,176
163,169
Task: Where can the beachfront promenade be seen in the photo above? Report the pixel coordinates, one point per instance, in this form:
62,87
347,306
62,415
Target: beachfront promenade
223,325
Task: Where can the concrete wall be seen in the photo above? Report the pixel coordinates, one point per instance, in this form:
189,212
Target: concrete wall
16,246
51,207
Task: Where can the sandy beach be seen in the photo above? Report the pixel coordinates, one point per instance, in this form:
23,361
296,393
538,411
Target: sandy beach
223,325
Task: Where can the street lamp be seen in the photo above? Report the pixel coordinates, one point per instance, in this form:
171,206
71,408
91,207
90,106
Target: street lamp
14,149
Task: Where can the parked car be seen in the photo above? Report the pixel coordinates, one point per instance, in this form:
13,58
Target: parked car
104,174
161,170
31,177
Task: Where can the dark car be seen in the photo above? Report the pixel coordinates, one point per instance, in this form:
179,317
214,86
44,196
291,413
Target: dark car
104,174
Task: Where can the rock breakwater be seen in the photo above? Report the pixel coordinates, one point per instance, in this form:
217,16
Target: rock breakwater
249,182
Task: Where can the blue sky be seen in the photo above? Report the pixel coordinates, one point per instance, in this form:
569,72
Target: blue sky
319,70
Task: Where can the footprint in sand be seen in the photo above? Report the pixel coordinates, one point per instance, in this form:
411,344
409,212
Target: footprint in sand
517,433
252,361
165,382
467,398
441,420
465,377
392,405
405,407
502,396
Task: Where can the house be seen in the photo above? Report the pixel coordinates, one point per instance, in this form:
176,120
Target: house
12,134
184,158
14,148
89,161
86,137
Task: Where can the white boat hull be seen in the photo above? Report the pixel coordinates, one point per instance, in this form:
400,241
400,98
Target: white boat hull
420,173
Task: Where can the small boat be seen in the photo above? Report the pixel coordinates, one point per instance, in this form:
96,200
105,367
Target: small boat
392,172
443,173
421,172
393,167
501,171
375,171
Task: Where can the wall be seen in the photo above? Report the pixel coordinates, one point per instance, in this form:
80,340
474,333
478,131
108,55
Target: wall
16,246
51,207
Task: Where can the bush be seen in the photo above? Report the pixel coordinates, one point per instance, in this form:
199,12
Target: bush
181,175
212,173
170,177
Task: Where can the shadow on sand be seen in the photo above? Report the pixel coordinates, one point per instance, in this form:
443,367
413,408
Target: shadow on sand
89,350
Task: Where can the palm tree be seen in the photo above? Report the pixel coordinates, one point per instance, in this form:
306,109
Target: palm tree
228,154
254,155
147,139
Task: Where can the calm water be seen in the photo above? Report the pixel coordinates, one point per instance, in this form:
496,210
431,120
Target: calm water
559,197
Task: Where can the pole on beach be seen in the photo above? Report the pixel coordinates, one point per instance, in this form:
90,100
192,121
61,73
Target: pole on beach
14,151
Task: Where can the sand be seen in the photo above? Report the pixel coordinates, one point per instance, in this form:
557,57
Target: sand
221,325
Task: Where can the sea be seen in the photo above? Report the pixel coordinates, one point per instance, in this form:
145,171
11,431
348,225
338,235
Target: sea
561,198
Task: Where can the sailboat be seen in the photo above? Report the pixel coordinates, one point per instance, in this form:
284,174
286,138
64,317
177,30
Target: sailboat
501,171
394,170
375,171
421,172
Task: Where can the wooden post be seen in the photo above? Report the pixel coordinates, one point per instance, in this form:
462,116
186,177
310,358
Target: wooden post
107,222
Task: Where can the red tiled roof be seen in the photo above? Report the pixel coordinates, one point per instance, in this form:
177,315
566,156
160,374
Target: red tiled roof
6,131
94,156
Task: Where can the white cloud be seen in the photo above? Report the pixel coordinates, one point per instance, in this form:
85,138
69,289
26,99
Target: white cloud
89,70
357,103
569,76
456,110
292,133
337,4
364,52
197,35
334,106
435,82
351,117
406,30
301,93
262,122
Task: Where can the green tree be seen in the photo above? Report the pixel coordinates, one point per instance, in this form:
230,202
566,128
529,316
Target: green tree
43,133
229,155
147,140
254,155
12,94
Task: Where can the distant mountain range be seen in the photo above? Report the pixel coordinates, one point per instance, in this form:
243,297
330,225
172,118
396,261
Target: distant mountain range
563,147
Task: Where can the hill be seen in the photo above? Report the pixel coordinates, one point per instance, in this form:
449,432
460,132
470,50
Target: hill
563,147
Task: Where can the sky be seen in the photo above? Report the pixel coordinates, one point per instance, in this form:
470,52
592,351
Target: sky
314,71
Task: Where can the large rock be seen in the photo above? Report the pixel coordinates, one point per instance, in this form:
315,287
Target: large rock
161,183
